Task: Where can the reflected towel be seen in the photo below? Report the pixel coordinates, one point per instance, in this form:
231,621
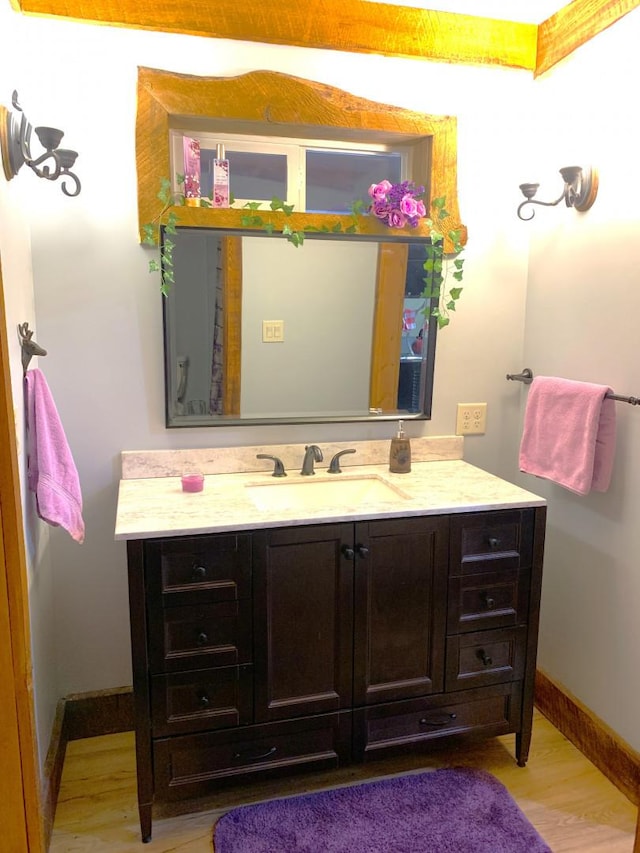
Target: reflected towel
51,471
569,434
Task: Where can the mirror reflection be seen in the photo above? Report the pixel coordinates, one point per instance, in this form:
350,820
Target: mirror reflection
258,331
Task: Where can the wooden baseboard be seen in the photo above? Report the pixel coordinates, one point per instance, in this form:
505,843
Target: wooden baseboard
53,771
105,712
78,716
600,744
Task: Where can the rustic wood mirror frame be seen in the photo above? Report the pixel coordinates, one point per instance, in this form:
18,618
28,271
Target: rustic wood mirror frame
277,103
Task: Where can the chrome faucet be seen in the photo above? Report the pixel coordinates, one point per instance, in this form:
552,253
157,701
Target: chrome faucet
312,453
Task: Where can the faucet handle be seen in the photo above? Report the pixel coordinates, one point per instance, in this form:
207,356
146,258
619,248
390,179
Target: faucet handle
278,467
334,465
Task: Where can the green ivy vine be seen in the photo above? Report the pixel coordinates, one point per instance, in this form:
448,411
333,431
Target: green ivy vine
441,299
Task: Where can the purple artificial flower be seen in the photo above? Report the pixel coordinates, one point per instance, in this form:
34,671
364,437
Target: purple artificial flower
396,218
380,209
378,192
397,204
409,206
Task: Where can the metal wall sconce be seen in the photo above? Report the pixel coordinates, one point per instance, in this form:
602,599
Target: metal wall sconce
15,146
579,191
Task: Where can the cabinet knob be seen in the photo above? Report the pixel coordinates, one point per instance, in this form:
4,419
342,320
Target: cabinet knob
347,552
202,639
442,720
199,573
362,551
489,602
493,543
486,659
203,700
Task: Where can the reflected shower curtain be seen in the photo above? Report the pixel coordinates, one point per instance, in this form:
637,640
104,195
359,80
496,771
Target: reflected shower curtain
216,389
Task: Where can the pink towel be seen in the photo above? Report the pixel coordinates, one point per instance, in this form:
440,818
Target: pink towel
569,434
51,471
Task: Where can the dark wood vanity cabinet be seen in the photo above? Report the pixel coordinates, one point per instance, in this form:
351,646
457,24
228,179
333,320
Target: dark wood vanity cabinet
307,647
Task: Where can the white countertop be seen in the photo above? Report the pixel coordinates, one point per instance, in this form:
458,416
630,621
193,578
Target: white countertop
157,506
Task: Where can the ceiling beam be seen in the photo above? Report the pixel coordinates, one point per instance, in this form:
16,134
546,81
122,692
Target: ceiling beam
356,26
573,26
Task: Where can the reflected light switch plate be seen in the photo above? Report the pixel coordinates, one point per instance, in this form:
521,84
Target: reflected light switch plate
272,331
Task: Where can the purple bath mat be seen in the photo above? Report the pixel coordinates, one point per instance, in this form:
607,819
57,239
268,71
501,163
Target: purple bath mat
444,811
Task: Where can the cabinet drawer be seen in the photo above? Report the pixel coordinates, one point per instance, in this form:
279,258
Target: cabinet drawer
204,699
485,657
489,600
196,569
403,726
200,637
491,541
194,764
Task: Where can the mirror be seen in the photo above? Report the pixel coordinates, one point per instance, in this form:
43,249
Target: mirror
257,331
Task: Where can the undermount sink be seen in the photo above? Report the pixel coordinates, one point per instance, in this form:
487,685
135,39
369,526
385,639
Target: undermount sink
314,492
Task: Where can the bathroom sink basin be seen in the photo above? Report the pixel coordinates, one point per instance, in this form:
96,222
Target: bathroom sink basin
316,493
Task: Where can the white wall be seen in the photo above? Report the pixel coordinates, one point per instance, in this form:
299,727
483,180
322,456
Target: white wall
582,323
323,363
15,260
99,311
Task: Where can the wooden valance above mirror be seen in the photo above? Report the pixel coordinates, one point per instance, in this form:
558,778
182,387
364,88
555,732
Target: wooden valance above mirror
266,102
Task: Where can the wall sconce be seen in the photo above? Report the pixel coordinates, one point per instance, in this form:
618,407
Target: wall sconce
579,191
15,146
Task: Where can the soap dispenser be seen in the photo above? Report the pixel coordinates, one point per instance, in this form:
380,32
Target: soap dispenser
400,453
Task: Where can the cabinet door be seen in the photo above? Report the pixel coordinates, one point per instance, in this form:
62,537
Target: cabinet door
303,621
401,570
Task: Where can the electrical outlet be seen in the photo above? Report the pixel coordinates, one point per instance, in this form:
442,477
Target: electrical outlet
471,419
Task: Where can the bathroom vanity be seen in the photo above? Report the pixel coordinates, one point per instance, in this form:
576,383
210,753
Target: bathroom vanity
270,637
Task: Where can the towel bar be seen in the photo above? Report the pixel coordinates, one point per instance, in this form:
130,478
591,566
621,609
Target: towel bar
526,376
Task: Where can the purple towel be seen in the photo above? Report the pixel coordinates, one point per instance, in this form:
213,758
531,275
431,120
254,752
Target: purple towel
51,471
569,434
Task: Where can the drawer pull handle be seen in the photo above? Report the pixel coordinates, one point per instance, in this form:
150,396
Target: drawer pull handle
489,602
493,542
199,573
438,721
347,552
256,757
362,550
203,701
486,659
203,639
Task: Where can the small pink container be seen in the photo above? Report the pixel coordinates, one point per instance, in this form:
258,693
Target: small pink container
192,483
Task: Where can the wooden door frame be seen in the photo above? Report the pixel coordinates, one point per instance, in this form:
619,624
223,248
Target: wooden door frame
20,800
391,279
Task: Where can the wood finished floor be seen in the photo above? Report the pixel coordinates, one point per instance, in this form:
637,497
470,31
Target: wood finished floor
571,804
